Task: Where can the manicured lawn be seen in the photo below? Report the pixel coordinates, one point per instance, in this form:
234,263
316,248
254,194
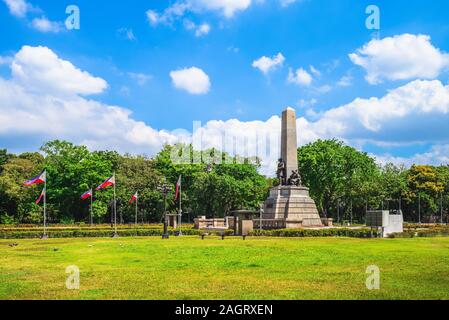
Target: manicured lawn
258,268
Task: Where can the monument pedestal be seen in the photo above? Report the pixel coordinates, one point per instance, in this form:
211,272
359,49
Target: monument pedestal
293,205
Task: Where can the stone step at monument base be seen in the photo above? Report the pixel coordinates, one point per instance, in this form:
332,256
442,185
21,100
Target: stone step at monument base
294,205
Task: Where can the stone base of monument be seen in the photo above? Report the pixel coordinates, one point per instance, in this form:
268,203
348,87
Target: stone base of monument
294,206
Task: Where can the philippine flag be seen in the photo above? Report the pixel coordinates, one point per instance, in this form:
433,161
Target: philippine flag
178,188
107,183
87,194
42,178
134,198
41,196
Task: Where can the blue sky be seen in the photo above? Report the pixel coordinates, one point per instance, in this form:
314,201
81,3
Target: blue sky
135,55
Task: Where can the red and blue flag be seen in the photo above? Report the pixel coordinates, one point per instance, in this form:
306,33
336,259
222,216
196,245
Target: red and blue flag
41,196
87,195
109,182
42,178
134,198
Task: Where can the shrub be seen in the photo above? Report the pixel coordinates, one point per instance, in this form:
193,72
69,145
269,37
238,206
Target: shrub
301,233
88,233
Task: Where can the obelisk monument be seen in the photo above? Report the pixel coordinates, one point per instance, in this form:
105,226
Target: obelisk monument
289,204
289,142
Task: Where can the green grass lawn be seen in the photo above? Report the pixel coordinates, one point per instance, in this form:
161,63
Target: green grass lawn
258,268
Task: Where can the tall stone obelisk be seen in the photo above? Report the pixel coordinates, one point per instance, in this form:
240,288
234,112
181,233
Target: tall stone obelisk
289,204
289,142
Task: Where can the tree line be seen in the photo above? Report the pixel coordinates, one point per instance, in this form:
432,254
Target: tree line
73,170
343,181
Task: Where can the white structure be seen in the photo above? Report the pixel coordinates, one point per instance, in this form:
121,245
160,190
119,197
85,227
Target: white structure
385,221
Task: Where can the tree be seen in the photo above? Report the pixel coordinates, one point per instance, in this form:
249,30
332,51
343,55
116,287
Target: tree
234,183
425,188
4,157
336,174
137,173
72,170
392,185
17,201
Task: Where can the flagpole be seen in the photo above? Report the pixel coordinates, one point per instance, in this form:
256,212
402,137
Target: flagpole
115,209
180,206
45,236
91,203
137,201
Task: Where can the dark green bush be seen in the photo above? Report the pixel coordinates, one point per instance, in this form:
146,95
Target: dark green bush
302,233
89,233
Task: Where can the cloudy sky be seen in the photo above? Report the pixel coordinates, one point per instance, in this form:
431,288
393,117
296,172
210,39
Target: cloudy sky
137,74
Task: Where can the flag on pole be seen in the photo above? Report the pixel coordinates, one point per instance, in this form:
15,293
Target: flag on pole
87,195
109,182
42,178
178,188
134,198
41,196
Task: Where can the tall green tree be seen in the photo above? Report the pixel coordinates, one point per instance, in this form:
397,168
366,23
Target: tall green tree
138,174
72,170
337,174
425,187
17,201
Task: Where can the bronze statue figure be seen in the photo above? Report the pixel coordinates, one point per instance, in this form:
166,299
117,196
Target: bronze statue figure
295,179
281,172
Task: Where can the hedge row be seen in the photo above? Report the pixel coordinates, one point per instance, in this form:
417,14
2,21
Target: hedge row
34,234
430,233
73,229
88,233
303,233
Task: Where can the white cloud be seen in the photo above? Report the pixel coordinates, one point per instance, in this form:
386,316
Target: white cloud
40,69
28,110
169,15
286,3
42,24
5,60
420,105
193,80
306,103
437,155
233,49
323,89
345,81
300,77
35,112
18,8
202,30
267,64
227,7
315,71
153,17
127,34
401,57
140,78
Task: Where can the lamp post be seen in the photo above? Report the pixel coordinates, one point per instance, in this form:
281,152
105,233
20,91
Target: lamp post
164,188
419,208
209,169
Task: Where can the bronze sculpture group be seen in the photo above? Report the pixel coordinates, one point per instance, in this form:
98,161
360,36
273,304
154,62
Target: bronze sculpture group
293,180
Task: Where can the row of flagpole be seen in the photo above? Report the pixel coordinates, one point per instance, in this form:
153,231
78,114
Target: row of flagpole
42,179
